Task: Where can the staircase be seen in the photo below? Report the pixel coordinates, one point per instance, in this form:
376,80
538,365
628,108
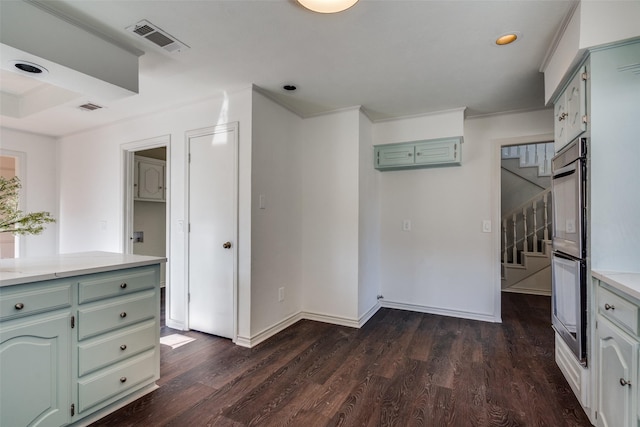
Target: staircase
526,229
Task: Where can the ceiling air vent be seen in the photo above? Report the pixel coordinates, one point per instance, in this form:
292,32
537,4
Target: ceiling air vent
89,107
157,36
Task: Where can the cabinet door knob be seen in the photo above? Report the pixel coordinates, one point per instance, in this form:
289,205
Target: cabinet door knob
609,307
226,245
19,306
123,314
123,347
624,382
123,379
123,285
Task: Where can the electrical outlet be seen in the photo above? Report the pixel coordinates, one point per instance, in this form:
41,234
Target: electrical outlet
281,294
406,225
486,226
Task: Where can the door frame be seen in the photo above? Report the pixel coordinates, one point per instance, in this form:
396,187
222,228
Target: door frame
128,151
497,207
233,128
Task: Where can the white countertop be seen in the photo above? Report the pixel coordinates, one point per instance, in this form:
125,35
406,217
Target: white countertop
629,283
27,270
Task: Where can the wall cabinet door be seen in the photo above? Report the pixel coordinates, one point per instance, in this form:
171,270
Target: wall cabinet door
399,155
570,110
36,371
437,152
150,180
617,375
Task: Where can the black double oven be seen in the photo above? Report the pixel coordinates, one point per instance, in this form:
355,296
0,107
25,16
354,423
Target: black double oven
568,264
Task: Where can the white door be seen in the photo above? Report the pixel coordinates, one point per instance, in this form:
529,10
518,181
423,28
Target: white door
213,177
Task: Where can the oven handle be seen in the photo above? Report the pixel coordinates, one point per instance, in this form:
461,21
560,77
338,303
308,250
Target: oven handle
565,171
563,256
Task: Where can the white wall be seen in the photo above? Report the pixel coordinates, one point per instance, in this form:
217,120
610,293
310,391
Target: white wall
446,264
368,223
151,219
330,215
39,185
277,229
91,189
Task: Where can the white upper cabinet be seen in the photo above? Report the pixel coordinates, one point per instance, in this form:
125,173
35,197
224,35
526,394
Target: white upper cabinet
570,110
149,179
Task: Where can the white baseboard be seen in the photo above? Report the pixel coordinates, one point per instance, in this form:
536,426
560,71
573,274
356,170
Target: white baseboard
442,311
175,325
307,315
528,291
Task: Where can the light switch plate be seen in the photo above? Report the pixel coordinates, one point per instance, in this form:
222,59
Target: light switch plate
406,225
486,226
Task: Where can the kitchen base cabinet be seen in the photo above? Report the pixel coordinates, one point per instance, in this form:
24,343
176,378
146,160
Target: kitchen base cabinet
36,373
618,345
617,371
73,350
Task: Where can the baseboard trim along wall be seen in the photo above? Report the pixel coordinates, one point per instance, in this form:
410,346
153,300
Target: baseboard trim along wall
356,323
441,311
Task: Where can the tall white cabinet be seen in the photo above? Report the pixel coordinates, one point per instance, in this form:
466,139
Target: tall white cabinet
601,101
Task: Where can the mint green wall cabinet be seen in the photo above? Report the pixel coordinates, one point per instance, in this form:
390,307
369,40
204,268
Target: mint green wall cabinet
35,349
77,348
419,154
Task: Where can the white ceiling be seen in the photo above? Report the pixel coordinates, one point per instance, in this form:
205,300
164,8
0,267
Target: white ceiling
393,57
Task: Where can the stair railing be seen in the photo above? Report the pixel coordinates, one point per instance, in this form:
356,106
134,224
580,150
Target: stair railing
517,236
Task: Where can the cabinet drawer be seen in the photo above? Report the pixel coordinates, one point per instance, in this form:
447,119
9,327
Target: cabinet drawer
116,380
117,313
618,309
17,301
116,346
111,284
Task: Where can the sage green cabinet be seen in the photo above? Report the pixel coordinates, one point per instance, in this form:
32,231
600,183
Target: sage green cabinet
35,353
78,347
419,154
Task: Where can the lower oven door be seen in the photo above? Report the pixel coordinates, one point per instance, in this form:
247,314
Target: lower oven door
569,297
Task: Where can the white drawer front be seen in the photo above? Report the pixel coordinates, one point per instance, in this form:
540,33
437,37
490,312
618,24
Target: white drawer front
116,346
118,313
112,284
618,309
118,379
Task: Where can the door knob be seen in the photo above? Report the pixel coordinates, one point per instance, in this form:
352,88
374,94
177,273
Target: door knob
226,245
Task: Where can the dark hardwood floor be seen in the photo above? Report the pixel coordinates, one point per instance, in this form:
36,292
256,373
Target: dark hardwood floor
400,369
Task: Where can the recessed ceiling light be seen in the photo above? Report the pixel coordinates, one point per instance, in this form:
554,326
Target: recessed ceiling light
508,38
289,87
29,68
327,6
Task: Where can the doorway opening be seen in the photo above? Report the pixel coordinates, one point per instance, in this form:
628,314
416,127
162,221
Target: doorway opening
146,166
525,188
12,165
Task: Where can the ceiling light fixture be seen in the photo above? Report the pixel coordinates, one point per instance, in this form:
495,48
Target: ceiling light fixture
289,87
507,38
29,68
327,6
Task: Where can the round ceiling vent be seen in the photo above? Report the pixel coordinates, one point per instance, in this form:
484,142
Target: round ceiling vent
29,68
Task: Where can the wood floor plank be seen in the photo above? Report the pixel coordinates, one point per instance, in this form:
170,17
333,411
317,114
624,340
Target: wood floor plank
400,369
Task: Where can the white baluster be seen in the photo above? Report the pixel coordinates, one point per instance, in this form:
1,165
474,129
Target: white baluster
525,239
504,231
535,229
546,218
515,233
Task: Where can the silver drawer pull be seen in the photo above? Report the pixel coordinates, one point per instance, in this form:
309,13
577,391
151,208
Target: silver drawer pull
123,347
123,314
624,382
123,285
19,306
609,307
123,379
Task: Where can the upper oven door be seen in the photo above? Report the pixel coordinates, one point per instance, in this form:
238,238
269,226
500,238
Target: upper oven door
567,187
